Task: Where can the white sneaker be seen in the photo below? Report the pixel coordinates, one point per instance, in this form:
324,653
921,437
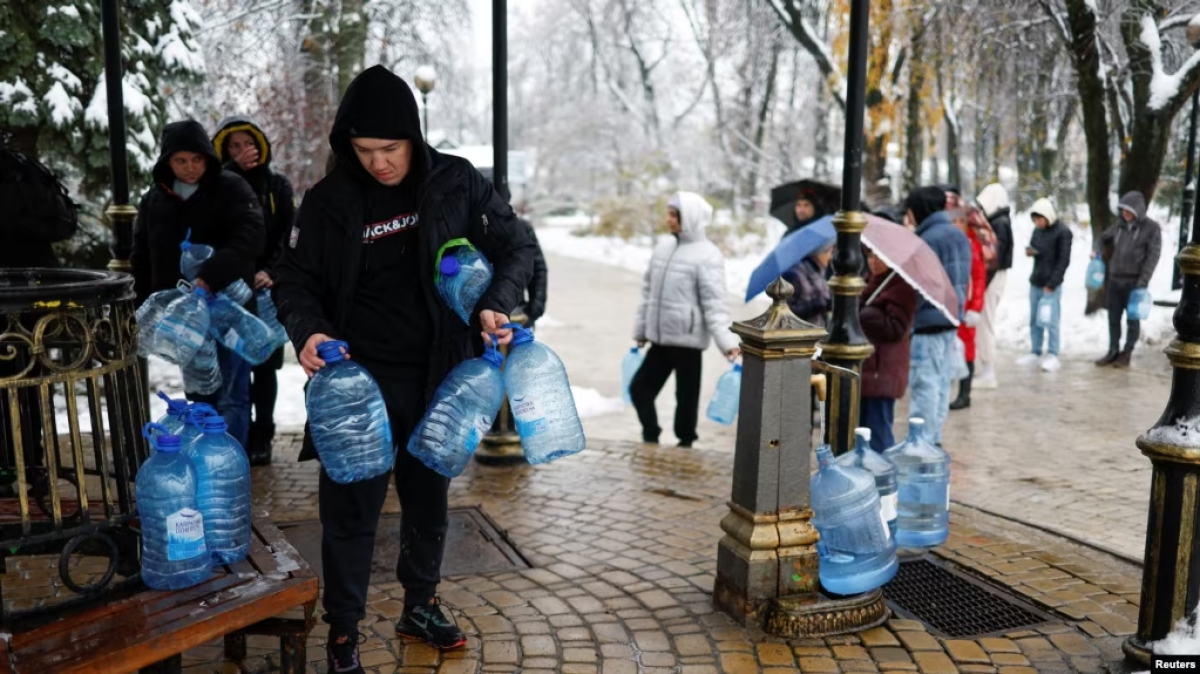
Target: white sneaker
986,378
1028,359
1051,364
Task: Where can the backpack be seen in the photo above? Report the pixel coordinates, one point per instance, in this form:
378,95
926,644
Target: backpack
987,238
37,206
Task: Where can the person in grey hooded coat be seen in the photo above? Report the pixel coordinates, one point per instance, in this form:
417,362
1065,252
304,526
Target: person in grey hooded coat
1135,243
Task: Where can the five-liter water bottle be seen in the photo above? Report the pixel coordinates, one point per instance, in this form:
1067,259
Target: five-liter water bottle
881,468
1139,305
176,416
240,331
923,474
723,407
222,491
348,418
237,292
183,327
540,397
174,555
195,422
148,315
1095,274
192,257
464,274
268,315
857,553
202,374
462,411
630,364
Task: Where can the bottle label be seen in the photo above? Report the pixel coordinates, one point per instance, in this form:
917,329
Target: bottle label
888,506
185,535
529,424
887,533
947,497
232,341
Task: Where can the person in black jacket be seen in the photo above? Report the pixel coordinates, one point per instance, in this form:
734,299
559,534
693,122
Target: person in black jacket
359,267
37,212
247,152
192,193
993,202
1050,249
534,305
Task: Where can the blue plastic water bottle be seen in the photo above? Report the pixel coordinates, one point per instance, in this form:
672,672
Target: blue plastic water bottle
240,331
539,395
183,328
1095,274
463,409
222,491
268,314
1046,312
1139,305
192,257
857,554
348,418
723,407
879,466
630,364
923,475
237,292
195,422
463,275
174,555
148,315
176,416
202,374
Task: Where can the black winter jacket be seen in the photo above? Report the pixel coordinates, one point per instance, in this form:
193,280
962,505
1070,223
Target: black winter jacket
534,305
1136,246
37,212
1001,223
223,213
1053,248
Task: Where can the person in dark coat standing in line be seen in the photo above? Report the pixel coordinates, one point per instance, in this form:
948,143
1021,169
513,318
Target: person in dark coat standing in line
246,151
534,304
887,310
192,193
1050,249
993,202
359,267
806,210
37,212
811,299
1136,244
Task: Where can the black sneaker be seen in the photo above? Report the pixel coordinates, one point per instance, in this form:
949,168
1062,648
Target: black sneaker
342,651
428,623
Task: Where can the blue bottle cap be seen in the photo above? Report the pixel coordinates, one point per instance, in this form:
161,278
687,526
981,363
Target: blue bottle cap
166,443
634,349
202,294
449,266
737,367
331,351
492,355
520,334
214,425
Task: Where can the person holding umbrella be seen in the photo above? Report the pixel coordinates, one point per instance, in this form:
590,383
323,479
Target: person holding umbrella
887,309
811,299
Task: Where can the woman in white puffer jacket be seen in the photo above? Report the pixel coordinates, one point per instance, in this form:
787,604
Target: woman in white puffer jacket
684,307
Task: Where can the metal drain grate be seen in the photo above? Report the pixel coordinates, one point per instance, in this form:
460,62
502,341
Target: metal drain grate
953,604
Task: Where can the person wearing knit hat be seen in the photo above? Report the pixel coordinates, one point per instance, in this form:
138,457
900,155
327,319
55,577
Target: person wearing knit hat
1050,249
1136,244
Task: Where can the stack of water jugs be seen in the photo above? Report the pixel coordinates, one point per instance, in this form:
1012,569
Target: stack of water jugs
865,504
193,498
348,418
183,325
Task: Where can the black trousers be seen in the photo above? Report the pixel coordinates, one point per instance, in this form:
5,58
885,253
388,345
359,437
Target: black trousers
350,517
1116,300
660,362
264,389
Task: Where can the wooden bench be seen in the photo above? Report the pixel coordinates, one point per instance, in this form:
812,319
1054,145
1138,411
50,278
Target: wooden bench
150,630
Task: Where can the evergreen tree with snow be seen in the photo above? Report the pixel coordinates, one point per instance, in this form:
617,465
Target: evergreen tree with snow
53,103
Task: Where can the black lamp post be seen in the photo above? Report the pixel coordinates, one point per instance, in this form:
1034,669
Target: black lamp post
425,80
1189,171
120,214
500,96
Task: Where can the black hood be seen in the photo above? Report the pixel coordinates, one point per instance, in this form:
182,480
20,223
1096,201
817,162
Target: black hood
185,136
378,104
924,202
229,126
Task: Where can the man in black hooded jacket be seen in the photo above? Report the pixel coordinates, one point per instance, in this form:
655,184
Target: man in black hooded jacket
359,266
192,193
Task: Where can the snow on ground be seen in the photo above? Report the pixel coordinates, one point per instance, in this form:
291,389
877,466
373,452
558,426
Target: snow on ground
1183,640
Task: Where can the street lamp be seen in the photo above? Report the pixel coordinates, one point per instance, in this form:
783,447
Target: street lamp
120,214
425,80
1189,189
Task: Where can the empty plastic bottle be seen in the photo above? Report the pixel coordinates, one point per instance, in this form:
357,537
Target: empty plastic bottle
1139,305
348,418
149,314
923,475
539,395
463,275
1045,312
174,555
881,468
183,328
857,554
192,257
463,409
1095,274
237,292
723,407
268,315
222,491
630,364
240,331
202,374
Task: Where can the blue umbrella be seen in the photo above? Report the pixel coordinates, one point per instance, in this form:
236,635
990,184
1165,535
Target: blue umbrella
791,250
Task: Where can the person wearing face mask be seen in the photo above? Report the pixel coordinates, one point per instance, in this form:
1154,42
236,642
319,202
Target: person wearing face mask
359,267
246,151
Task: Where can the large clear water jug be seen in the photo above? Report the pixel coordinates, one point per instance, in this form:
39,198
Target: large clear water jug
923,475
630,364
540,397
222,491
723,407
463,275
240,331
881,468
202,374
270,316
237,292
174,555
463,409
183,327
857,553
1095,274
1139,305
148,315
348,418
192,257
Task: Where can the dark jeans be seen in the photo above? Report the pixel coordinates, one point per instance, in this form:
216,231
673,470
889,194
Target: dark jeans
264,389
1116,301
350,517
232,400
879,415
660,362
